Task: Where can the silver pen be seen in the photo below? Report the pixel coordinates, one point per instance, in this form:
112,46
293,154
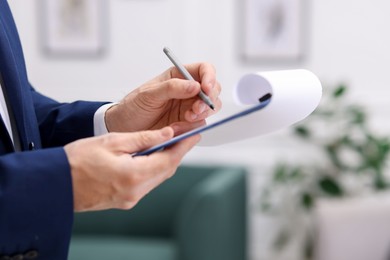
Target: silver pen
187,76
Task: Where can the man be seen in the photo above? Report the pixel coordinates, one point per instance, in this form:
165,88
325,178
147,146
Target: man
50,166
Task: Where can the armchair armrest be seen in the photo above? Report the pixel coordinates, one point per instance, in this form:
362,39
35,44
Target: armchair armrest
211,223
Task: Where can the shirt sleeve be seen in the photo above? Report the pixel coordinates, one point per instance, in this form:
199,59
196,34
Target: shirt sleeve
99,122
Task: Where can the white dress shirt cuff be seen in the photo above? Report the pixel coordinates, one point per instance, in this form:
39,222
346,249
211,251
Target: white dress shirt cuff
99,122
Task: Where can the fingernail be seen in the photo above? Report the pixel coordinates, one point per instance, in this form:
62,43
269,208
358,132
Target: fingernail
166,132
175,128
191,86
193,116
202,108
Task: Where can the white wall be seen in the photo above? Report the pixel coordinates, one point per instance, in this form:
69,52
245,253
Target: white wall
347,41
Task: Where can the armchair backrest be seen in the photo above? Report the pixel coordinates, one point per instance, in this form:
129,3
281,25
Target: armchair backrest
154,216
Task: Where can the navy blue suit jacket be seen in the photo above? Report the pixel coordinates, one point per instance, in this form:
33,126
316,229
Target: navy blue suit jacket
36,201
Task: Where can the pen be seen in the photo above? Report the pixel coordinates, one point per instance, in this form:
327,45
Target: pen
187,76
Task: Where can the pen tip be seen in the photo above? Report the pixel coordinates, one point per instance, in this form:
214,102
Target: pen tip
212,107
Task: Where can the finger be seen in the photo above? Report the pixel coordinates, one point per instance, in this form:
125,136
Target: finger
217,106
213,95
216,90
192,116
166,160
175,153
133,142
204,73
173,89
210,112
198,107
159,166
182,127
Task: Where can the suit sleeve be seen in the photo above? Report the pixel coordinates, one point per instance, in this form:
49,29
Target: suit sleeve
36,196
62,123
36,203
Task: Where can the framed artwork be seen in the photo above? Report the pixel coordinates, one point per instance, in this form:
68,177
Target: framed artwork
272,29
73,27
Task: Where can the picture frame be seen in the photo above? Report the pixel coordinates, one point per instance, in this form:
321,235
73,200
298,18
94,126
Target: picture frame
74,28
273,30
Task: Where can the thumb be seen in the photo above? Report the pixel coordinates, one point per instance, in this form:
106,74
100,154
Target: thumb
136,141
146,139
175,89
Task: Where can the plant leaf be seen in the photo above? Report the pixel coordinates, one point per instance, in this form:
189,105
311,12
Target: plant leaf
330,187
307,201
339,91
280,173
302,131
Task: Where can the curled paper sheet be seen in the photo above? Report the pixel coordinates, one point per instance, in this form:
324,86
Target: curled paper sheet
295,95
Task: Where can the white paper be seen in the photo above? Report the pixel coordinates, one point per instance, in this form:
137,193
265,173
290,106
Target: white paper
295,95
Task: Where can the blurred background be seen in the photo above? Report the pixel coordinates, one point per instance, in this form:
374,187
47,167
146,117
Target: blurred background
104,49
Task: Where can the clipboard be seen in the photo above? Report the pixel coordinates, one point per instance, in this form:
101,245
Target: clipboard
295,95
264,102
289,96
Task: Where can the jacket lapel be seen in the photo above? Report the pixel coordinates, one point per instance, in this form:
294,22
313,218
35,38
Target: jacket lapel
13,69
6,144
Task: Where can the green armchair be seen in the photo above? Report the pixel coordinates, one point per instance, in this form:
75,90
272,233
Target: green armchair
199,214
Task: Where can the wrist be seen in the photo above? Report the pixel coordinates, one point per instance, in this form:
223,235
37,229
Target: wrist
99,119
109,118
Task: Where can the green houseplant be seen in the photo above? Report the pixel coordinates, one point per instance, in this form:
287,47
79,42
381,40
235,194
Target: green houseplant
353,162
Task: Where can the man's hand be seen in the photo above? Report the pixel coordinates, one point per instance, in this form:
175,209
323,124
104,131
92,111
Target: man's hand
105,175
165,100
